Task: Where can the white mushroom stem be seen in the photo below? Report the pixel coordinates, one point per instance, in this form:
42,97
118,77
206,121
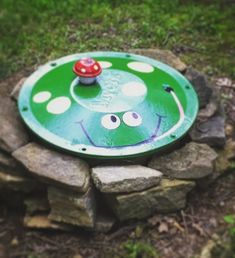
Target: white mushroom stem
87,81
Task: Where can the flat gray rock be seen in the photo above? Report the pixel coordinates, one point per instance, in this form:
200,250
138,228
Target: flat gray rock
11,167
165,56
36,204
169,196
18,183
13,134
210,131
72,207
118,179
225,160
41,221
213,106
104,223
54,167
193,161
7,161
201,86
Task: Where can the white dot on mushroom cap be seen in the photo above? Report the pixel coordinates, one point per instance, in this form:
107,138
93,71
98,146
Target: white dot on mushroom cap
96,67
83,70
134,89
41,97
58,105
105,64
141,67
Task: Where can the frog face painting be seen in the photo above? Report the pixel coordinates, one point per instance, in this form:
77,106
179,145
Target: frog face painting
137,105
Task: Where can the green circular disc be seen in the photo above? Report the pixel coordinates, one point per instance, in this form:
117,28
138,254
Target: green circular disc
136,106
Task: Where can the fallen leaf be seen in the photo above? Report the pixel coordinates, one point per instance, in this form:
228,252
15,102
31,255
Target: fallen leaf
163,227
198,228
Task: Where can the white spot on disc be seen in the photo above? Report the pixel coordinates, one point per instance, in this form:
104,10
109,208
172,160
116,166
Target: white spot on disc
58,105
141,67
105,64
41,97
134,89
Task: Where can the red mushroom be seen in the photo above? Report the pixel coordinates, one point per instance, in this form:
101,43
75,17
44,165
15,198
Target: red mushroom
87,69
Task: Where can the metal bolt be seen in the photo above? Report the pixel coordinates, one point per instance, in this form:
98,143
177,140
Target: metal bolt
25,109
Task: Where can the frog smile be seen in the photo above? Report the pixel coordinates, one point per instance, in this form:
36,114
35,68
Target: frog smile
154,136
150,139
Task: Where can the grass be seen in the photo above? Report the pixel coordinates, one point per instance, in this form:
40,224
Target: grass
33,32
226,248
230,220
139,249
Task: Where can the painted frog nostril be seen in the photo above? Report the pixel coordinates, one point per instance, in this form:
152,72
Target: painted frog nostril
113,119
134,115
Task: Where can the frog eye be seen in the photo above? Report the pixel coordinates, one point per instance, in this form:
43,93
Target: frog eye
132,118
110,121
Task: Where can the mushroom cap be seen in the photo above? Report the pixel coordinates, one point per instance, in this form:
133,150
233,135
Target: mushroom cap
87,67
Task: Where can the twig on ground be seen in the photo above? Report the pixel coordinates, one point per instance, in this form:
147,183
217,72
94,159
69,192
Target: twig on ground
185,223
120,232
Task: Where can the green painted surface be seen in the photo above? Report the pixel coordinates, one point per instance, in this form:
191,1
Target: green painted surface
127,112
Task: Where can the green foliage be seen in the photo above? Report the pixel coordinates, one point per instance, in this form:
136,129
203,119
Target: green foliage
232,164
230,220
33,32
34,255
139,249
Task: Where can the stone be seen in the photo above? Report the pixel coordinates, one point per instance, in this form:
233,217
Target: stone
104,223
210,131
225,160
18,183
118,179
201,86
223,163
7,161
36,204
53,166
169,196
71,207
165,56
9,165
193,161
13,134
229,130
41,221
212,107
16,90
208,111
12,198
